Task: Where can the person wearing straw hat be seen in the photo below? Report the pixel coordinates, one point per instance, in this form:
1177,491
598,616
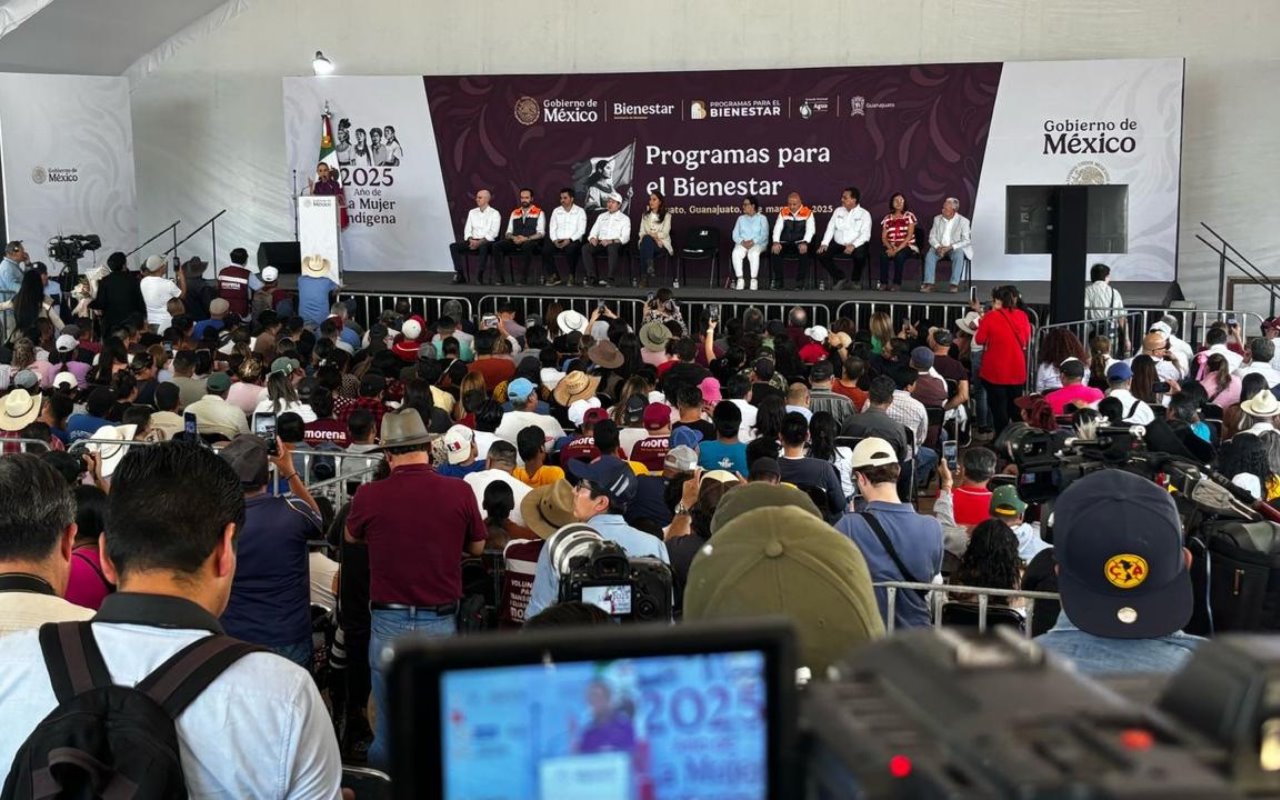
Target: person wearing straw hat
577,385
415,574
570,321
111,443
654,336
545,510
316,286
1260,413
18,410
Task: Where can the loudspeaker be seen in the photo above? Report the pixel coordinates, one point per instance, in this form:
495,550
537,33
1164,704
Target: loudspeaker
284,256
1069,249
1173,295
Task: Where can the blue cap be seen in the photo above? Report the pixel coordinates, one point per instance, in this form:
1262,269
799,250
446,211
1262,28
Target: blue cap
613,475
1121,569
520,389
685,436
1119,371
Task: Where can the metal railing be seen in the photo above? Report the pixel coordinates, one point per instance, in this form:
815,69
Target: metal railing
939,592
631,309
1228,254
939,312
1121,328
370,305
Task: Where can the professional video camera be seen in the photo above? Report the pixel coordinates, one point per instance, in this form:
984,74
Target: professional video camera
931,714
68,250
599,572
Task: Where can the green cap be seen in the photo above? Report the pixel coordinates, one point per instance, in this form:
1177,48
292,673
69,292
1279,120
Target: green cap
285,364
782,561
1006,503
218,382
741,499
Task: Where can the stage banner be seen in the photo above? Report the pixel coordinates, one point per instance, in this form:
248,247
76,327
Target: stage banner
66,144
992,135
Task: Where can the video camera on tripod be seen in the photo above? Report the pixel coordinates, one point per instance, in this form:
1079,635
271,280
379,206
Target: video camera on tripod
598,572
68,250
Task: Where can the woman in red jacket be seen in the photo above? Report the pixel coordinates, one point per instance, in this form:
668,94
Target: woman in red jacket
1005,333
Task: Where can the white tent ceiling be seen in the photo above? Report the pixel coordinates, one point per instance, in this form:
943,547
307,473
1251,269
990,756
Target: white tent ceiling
90,37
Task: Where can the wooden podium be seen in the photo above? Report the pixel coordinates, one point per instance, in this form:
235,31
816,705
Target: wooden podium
320,233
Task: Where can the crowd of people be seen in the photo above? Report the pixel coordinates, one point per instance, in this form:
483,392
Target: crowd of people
775,466
793,237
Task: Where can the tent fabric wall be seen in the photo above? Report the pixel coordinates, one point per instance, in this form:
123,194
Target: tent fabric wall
208,121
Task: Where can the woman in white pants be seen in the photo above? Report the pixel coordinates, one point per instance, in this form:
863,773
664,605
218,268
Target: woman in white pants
750,237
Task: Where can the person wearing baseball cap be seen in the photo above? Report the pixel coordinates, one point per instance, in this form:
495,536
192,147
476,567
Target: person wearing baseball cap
1123,576
1009,508
1075,393
604,490
651,451
523,396
823,398
459,444
898,543
1133,410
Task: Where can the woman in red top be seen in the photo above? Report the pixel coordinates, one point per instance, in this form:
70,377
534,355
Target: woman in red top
1005,333
898,235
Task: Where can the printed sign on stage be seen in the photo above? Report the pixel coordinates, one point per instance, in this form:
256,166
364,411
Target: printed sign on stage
990,134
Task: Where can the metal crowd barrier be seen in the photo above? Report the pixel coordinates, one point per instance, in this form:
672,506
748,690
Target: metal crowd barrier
939,592
938,312
818,313
1122,337
629,309
370,305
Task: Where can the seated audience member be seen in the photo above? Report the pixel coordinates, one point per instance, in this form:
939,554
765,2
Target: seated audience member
602,495
1075,393
930,389
689,405
583,446
495,368
175,573
270,601
725,451
1007,507
1258,359
691,525
97,406
1215,376
798,401
570,614
969,503
37,535
990,561
822,397
168,416
890,533
651,451
805,472
214,415
88,585
459,449
1132,410
534,471
855,369
1123,575
771,554
524,398
499,465
1216,340
498,504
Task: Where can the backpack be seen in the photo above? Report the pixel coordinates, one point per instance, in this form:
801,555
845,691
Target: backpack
109,741
1235,577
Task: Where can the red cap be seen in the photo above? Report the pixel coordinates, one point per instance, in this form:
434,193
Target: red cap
594,415
656,415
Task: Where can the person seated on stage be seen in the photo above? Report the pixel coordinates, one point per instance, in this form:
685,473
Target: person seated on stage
478,236
655,234
610,233
949,238
750,236
526,229
792,233
898,235
564,236
848,234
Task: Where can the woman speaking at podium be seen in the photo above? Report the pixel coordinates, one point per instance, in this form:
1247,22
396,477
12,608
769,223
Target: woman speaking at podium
325,183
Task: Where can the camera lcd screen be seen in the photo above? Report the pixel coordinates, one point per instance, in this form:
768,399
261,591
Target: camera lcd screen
672,726
615,599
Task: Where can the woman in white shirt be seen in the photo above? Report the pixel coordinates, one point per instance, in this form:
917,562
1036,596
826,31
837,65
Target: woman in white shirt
1057,346
655,233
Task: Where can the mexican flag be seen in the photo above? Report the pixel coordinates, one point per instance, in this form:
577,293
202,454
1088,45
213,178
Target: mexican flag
327,154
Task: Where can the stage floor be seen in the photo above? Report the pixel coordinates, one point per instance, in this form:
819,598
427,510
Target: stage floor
1135,293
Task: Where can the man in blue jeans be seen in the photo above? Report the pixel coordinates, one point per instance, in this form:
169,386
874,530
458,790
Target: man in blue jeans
417,524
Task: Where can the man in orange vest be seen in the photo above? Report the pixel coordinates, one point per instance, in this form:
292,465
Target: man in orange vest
792,234
526,229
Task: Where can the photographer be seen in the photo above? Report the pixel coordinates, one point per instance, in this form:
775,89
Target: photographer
604,491
1123,576
662,307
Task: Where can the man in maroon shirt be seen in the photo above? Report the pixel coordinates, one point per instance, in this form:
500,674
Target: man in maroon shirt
415,558
583,446
929,389
651,451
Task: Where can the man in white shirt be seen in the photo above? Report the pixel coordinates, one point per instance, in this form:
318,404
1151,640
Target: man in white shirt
478,235
157,291
610,233
1101,301
1168,325
949,238
269,719
524,415
1133,410
498,467
526,228
1155,345
1216,340
37,529
564,237
1258,357
849,230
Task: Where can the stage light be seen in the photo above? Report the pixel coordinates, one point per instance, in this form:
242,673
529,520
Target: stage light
321,65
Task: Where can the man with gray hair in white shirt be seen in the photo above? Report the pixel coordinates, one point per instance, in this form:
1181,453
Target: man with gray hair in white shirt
478,235
948,238
610,233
